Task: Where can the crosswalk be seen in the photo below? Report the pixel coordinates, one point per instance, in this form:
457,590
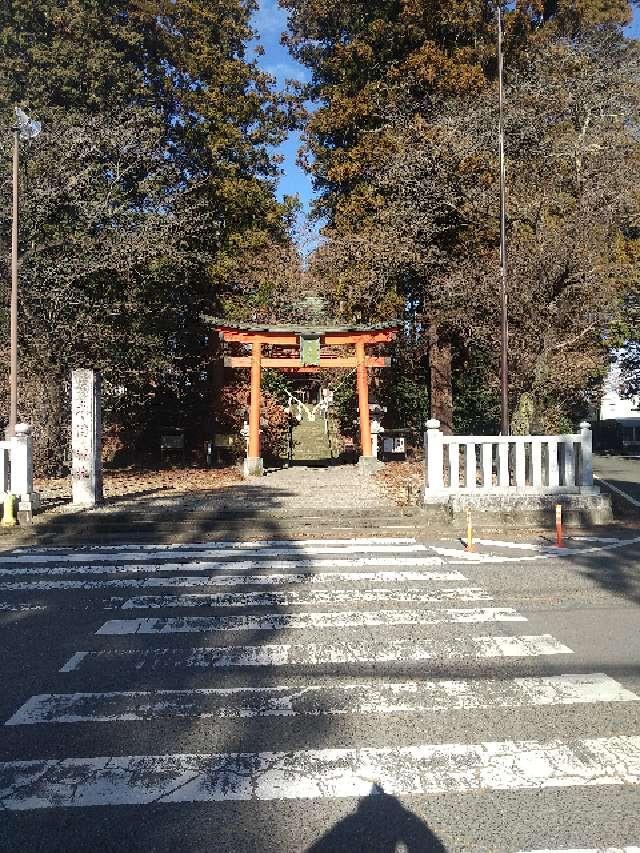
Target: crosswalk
314,654
330,697
353,630
320,773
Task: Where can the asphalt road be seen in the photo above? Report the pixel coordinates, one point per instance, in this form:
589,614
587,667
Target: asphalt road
622,472
378,696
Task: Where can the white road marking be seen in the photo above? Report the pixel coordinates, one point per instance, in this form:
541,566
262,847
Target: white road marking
317,654
500,543
319,579
627,497
90,562
279,621
225,544
546,547
15,607
589,850
74,662
604,539
275,551
459,553
475,557
318,773
239,566
310,597
330,697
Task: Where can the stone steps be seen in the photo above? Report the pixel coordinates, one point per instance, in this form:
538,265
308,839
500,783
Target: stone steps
311,443
247,523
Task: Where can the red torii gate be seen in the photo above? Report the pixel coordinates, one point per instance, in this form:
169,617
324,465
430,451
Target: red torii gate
309,341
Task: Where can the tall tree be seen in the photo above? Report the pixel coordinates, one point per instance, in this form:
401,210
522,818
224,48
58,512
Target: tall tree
414,225
151,175
367,59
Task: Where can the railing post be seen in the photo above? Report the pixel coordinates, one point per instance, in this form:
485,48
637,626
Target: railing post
454,465
553,471
586,456
434,456
536,464
503,465
470,466
5,486
22,473
568,464
487,466
521,472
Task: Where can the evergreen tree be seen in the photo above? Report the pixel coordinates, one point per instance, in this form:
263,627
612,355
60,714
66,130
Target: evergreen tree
151,176
403,148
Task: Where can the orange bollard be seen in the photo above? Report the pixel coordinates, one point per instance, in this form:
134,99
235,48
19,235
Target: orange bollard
559,537
470,546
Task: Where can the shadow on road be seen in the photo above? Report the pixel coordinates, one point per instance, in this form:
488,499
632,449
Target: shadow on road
380,824
615,570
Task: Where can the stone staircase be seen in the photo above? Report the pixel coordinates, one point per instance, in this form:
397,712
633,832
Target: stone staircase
311,445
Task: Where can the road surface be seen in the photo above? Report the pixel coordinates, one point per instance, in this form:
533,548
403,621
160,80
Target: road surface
346,695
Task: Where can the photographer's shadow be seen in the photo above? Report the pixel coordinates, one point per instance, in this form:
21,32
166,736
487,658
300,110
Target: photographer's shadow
380,824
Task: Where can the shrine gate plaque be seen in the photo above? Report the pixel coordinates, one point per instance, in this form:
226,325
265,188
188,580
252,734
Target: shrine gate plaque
310,350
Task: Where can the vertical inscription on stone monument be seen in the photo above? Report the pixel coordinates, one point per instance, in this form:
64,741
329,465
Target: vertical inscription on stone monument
86,433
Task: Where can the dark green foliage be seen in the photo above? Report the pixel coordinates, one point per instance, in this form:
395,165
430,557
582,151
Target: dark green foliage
151,178
476,392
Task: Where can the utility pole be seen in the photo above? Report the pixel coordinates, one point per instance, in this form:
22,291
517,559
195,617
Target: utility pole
13,381
504,316
25,128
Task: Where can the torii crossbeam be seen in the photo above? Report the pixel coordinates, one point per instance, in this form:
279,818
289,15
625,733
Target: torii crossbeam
309,341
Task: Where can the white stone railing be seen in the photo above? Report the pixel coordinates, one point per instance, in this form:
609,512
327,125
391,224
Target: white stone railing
496,464
16,471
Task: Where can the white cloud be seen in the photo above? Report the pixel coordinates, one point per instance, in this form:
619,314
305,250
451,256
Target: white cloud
286,71
270,19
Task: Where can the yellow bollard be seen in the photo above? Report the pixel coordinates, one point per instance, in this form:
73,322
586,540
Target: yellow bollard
470,546
9,515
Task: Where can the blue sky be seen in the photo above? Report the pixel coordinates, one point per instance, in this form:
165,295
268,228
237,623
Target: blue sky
269,22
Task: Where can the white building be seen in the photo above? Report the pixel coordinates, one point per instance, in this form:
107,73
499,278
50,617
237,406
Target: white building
619,421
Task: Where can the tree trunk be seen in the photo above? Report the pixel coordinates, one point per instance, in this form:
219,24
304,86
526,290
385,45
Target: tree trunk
440,389
215,378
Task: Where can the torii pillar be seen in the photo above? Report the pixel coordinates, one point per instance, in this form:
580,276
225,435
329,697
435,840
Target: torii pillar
367,461
253,463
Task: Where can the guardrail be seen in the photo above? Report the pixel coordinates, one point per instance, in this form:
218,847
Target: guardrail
496,464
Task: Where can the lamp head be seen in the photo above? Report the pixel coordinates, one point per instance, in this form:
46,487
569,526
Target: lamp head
27,127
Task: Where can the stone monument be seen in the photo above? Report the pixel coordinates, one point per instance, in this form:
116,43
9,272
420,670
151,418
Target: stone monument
86,438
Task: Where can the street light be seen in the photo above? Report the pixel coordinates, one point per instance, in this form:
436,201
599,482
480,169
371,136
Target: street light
26,129
504,317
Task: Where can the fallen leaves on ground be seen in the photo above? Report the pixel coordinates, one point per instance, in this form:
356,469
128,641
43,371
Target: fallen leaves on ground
403,481
126,482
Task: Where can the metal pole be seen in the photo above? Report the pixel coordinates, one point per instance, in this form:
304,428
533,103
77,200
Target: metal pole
504,319
13,412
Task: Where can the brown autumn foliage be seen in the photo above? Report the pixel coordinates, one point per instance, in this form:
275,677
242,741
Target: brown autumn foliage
408,175
274,419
